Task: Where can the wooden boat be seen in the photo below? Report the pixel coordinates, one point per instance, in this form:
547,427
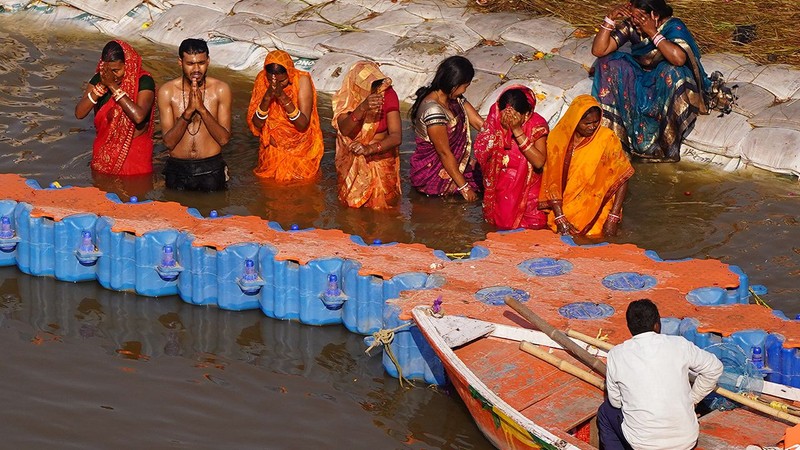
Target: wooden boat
521,402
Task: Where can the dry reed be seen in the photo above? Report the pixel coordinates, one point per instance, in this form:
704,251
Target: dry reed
712,22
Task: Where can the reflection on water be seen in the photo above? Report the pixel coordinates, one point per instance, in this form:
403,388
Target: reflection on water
244,378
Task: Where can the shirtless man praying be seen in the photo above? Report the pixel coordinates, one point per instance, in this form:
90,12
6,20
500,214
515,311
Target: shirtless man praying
195,122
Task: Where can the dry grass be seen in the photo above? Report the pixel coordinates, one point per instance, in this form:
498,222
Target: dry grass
712,22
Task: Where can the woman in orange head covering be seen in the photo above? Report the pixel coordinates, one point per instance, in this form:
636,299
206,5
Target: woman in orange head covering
586,175
366,116
283,113
122,96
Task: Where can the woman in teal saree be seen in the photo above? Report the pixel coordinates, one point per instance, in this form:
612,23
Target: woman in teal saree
652,95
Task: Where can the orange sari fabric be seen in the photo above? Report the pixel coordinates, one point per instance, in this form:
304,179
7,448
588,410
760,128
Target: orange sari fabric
372,180
116,151
586,176
295,156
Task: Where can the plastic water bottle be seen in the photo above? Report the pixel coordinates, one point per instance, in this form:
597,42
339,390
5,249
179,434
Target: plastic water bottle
86,242
167,257
6,232
758,357
214,214
249,270
333,286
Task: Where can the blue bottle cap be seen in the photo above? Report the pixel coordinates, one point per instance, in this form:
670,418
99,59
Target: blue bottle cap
377,242
294,227
249,263
133,199
213,213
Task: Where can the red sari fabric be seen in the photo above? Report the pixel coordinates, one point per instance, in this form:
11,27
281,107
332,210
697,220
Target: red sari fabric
511,185
116,151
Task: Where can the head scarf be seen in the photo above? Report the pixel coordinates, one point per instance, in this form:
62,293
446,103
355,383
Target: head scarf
115,129
356,87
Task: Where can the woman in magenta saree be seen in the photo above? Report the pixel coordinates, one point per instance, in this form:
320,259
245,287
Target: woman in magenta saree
652,95
511,150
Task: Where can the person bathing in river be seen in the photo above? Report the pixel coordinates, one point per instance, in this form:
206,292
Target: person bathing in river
652,95
121,94
195,114
283,114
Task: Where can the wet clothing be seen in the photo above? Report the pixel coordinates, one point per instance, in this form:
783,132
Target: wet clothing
203,175
510,182
373,180
648,378
647,101
116,151
295,155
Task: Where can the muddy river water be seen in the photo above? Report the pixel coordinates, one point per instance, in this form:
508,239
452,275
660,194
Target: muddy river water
83,367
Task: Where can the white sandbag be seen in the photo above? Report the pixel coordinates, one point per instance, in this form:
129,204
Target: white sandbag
549,99
498,59
223,6
583,87
780,79
542,33
9,6
752,99
336,13
329,71
455,34
578,50
405,81
773,149
181,22
421,53
303,38
555,70
379,6
135,22
107,9
733,67
47,16
396,22
236,55
721,135
717,161
283,11
783,115
437,10
247,27
379,48
492,25
483,84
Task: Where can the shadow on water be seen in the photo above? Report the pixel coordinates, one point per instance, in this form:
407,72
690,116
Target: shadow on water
93,367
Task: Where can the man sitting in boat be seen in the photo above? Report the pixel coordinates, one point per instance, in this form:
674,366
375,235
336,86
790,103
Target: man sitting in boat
650,402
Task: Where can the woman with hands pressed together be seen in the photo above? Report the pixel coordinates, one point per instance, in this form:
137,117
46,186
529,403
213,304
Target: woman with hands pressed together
122,96
366,116
442,163
283,113
652,95
511,150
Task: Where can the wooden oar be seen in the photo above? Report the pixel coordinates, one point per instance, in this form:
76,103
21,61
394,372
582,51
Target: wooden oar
558,336
563,365
730,395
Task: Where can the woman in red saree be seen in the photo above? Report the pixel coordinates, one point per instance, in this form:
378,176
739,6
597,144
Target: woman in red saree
586,175
121,94
511,149
366,116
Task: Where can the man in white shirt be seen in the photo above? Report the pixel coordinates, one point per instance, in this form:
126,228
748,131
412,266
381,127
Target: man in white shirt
650,404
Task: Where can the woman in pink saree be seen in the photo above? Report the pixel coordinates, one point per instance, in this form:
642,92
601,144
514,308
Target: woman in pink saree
511,150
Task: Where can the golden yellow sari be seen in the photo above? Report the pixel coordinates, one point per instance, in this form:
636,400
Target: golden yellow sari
585,176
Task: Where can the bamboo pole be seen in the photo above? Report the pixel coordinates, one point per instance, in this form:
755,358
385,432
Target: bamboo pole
558,336
730,395
563,365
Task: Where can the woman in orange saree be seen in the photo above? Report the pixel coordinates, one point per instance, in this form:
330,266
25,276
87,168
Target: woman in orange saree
512,149
283,114
586,175
366,116
122,95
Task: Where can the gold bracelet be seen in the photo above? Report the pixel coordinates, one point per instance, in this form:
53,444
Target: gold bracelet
292,112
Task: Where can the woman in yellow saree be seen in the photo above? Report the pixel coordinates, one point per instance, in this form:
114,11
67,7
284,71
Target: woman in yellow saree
366,116
586,175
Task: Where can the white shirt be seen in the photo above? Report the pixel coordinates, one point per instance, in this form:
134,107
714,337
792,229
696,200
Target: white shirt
648,377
